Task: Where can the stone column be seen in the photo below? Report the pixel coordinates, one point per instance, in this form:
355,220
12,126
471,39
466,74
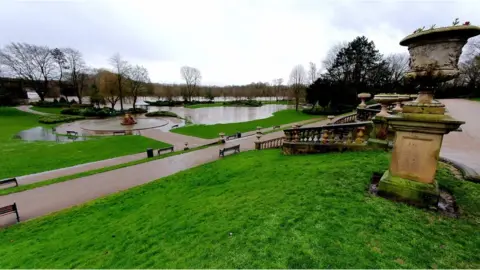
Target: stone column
411,175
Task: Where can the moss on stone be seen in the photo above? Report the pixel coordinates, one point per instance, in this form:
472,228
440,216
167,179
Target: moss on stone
412,192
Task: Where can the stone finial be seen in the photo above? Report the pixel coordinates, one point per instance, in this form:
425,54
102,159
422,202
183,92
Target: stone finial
363,96
385,100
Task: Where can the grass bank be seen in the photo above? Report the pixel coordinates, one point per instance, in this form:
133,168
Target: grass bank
21,158
254,210
212,131
47,110
65,178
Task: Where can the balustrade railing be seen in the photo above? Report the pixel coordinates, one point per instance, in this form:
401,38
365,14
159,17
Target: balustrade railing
349,118
350,133
366,114
273,143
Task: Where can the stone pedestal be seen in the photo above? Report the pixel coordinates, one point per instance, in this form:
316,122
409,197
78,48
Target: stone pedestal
411,175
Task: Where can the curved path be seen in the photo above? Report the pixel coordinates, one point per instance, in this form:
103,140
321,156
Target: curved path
44,200
463,147
26,108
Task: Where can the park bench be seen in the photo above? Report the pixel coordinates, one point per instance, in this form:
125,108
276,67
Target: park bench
165,149
174,126
231,137
119,133
235,148
72,133
10,209
9,181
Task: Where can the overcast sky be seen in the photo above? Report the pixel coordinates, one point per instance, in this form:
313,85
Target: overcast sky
229,41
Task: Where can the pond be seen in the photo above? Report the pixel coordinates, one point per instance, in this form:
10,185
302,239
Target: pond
47,134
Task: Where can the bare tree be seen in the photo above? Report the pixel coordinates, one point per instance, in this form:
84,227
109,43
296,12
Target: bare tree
332,54
470,72
312,73
78,72
137,82
277,86
298,78
397,65
120,68
32,63
60,60
192,77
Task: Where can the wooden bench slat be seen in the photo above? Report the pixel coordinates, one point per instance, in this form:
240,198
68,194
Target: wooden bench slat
9,180
235,148
165,149
10,209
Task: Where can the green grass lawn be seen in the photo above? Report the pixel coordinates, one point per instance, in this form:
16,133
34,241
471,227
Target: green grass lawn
20,157
254,210
212,131
476,99
47,110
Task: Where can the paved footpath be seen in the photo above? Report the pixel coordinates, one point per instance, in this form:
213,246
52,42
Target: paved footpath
26,108
463,147
44,200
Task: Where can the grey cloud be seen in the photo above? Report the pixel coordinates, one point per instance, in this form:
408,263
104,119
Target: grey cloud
90,27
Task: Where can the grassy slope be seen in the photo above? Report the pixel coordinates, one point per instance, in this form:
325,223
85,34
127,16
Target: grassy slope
476,99
282,212
47,110
22,157
212,131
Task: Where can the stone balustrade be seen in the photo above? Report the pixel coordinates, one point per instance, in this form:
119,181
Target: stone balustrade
273,143
349,118
327,138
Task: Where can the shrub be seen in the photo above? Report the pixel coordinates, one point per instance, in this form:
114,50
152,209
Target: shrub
47,104
54,119
248,103
70,111
136,110
170,103
161,113
62,100
73,101
328,111
81,106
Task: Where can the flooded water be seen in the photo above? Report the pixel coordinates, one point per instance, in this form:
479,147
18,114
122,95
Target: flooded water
223,115
47,134
114,124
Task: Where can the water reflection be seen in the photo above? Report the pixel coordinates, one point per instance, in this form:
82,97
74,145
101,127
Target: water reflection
47,134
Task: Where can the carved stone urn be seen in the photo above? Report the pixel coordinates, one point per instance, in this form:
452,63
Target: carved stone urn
420,127
440,48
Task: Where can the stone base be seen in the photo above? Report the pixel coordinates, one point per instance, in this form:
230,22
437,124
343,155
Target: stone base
411,192
378,144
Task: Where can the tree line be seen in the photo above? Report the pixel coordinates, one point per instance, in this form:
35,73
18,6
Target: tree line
348,69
